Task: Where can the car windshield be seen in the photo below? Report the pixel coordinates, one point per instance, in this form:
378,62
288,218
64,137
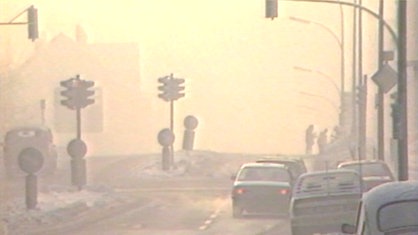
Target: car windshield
264,174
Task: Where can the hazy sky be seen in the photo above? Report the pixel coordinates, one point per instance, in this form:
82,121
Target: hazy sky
238,65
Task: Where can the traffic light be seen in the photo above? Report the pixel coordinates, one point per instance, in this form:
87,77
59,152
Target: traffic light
84,94
271,9
32,23
70,93
77,93
171,88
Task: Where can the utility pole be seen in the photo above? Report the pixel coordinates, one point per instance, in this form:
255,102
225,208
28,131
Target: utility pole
380,94
402,93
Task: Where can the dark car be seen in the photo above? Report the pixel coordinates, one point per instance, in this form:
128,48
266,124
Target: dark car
323,200
296,166
374,172
261,188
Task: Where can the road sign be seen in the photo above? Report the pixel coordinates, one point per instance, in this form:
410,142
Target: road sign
190,122
385,78
30,160
165,137
76,148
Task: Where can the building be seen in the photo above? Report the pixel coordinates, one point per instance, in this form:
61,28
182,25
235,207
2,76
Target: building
31,95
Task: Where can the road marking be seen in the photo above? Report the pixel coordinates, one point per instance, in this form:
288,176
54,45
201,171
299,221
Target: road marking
214,215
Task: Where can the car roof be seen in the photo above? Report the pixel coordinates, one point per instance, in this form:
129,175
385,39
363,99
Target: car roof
278,159
389,192
263,164
364,161
330,171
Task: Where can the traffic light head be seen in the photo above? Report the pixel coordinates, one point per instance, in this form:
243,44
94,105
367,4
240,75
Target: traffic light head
271,9
77,93
85,94
32,23
170,88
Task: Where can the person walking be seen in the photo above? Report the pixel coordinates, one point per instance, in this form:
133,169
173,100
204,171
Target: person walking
309,139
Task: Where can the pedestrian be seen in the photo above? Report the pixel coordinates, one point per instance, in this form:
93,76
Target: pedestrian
322,140
309,139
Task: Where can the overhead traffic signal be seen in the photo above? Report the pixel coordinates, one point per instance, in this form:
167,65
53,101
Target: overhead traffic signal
171,88
271,9
32,23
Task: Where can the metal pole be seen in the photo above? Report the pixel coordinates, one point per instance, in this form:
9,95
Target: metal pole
78,117
362,144
354,75
171,128
402,93
380,94
343,107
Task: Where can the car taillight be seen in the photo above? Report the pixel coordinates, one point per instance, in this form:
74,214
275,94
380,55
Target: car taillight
240,191
284,191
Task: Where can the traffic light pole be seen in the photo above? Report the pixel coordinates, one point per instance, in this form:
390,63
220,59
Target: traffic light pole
78,118
172,130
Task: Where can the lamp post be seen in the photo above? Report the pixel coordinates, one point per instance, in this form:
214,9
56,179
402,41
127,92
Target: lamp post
334,106
340,42
327,77
402,72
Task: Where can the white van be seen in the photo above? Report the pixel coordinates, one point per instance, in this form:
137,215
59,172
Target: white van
388,209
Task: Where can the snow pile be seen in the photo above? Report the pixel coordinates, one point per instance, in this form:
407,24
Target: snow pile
54,207
198,164
57,203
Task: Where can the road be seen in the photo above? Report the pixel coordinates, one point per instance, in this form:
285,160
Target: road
202,212
195,203
192,198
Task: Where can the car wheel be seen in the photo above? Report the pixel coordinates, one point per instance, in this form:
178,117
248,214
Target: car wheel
236,211
299,231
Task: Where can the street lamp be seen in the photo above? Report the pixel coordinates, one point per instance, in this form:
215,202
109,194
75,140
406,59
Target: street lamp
334,106
327,77
340,42
402,72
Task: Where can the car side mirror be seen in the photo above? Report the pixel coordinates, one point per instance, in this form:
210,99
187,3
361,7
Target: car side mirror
348,229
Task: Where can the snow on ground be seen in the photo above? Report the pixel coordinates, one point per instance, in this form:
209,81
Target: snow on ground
195,164
54,206
57,203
